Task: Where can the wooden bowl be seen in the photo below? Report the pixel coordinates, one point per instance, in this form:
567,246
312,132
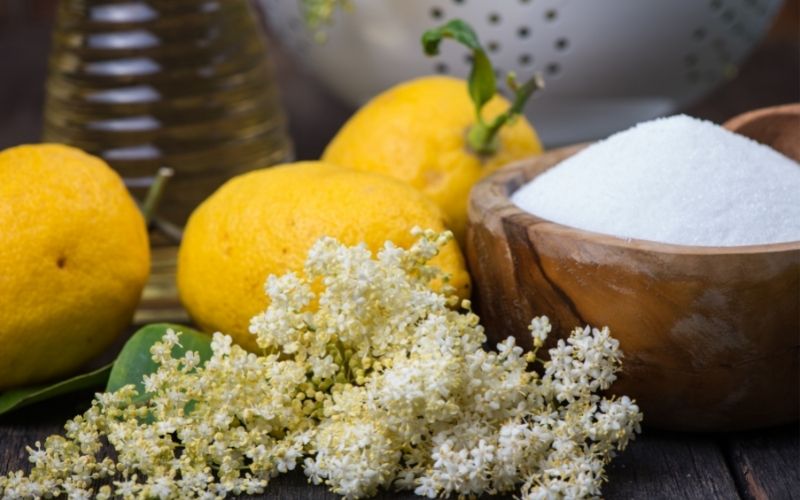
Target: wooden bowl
776,126
710,334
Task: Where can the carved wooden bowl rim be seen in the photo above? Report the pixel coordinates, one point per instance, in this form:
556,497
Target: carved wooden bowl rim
791,110
492,197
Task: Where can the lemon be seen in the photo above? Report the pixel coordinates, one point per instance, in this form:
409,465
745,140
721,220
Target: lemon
416,132
264,222
74,257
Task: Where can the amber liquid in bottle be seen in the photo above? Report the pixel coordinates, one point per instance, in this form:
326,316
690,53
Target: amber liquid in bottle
180,83
185,84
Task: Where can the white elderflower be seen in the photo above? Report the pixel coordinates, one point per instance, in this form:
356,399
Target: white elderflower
370,380
540,328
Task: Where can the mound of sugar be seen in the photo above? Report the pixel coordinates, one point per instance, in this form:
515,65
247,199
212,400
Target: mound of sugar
673,180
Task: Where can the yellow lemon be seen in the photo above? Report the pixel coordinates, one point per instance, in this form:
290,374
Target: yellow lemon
416,132
264,222
74,257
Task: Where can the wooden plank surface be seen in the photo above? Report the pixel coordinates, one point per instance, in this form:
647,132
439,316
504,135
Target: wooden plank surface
657,465
669,465
766,464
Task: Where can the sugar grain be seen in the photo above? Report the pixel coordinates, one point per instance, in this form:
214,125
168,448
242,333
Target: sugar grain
674,180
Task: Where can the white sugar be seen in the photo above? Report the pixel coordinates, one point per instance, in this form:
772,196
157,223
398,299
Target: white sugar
674,180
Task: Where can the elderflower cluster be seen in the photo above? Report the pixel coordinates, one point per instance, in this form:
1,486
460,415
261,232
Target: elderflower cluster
368,379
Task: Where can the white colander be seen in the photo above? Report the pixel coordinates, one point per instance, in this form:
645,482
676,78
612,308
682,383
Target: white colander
607,63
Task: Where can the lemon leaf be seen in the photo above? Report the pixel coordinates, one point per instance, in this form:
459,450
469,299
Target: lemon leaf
19,398
482,83
456,29
130,367
135,360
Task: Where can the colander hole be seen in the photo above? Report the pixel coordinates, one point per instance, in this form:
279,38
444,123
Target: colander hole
523,32
562,44
493,46
494,18
442,68
525,59
699,34
458,2
436,13
728,16
690,60
524,1
553,69
716,4
550,15
738,29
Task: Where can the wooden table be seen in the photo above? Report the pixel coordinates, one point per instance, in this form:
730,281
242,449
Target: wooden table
751,465
758,464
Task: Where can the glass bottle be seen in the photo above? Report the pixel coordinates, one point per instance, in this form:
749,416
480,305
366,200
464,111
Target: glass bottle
180,83
185,84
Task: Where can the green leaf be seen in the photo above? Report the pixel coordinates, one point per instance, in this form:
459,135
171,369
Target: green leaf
482,84
135,360
456,29
130,367
19,398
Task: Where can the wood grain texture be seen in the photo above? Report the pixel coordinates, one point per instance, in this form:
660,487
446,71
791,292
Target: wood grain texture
766,465
655,465
670,466
710,334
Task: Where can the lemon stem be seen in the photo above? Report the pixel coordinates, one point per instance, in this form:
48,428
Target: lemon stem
482,137
168,229
155,193
482,86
